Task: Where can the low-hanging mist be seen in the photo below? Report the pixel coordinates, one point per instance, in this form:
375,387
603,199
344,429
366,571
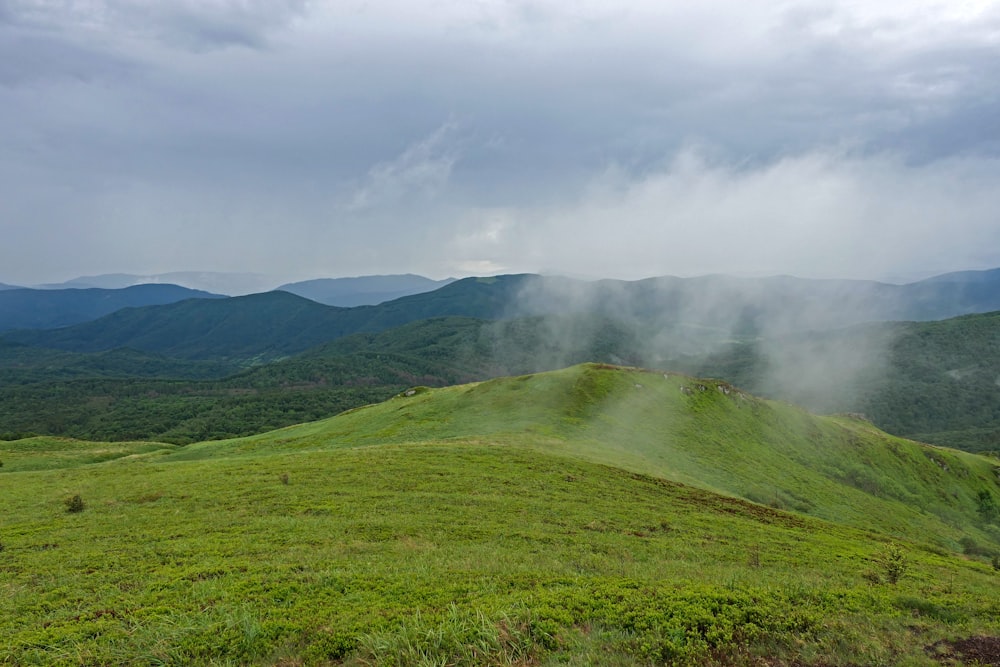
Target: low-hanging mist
823,345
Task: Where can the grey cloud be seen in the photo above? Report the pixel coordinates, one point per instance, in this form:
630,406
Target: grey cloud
815,215
564,124
200,25
205,25
421,171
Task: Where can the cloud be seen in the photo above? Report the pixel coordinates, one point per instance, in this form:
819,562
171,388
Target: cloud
205,25
417,174
818,214
519,135
199,25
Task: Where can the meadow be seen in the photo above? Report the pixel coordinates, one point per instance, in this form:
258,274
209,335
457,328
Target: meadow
554,519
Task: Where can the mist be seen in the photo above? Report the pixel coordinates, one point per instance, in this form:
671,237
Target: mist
824,345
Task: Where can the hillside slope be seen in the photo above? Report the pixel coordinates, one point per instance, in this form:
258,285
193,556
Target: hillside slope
23,308
698,432
478,525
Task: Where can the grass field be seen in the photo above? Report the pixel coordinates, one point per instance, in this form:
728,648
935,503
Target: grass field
526,521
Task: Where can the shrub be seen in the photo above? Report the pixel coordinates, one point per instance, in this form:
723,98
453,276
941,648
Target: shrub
74,504
892,562
986,506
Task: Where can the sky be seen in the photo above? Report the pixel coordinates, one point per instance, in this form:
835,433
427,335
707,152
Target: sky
307,139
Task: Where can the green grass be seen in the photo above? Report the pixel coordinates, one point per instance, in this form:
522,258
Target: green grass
834,468
514,522
44,453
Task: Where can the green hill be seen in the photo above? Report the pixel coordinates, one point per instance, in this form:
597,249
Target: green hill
533,520
700,432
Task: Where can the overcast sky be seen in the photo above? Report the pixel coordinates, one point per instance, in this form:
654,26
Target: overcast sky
319,139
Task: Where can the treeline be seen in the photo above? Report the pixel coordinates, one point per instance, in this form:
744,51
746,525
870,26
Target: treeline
935,381
344,374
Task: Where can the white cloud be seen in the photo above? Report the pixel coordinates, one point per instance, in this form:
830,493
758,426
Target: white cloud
820,214
414,176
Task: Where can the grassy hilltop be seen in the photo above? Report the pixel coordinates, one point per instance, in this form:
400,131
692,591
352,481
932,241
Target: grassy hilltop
594,515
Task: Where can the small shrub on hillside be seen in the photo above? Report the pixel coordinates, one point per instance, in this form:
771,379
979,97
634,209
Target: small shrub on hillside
987,506
74,504
996,562
892,563
284,478
972,548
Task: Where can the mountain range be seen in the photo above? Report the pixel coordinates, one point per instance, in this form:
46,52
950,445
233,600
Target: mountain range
207,368
269,325
679,316
230,284
359,291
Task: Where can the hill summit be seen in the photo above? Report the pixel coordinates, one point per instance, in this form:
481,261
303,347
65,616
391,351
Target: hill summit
705,433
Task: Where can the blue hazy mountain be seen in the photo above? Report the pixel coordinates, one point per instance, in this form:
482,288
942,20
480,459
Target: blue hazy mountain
363,290
23,308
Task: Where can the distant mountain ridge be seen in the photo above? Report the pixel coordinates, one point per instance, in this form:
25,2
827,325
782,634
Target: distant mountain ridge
363,290
266,326
683,315
354,291
24,308
982,276
216,282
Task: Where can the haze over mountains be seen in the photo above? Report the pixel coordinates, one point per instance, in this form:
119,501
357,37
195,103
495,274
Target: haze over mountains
355,291
218,282
363,291
810,342
681,315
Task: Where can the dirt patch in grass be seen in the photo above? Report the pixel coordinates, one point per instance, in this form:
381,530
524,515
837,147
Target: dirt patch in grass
980,650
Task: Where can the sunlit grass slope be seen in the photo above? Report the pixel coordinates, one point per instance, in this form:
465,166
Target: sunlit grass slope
699,432
526,521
